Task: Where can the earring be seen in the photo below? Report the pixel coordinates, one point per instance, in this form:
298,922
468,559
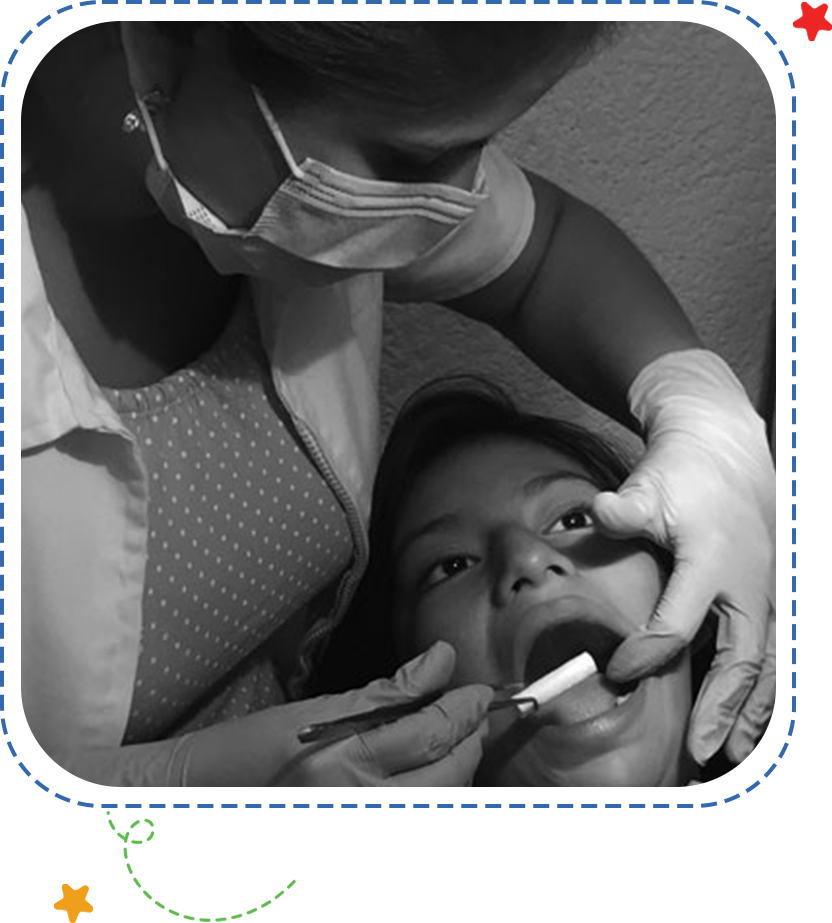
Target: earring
132,122
154,101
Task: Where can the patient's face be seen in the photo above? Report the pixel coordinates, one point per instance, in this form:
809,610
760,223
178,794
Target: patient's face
496,553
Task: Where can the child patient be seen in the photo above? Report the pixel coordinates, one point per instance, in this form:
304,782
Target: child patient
481,536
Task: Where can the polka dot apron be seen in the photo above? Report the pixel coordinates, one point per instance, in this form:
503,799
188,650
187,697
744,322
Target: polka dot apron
244,536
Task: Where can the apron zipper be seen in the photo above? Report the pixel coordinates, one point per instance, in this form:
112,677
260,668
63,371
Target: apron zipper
346,590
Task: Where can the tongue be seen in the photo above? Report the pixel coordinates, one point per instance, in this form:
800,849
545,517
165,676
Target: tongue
590,698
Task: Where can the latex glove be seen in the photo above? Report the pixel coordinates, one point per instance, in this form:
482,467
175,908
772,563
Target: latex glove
439,745
704,490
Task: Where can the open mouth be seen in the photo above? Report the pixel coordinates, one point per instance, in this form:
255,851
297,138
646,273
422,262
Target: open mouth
595,695
559,643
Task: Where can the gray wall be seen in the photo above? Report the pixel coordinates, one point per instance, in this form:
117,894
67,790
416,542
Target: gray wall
670,132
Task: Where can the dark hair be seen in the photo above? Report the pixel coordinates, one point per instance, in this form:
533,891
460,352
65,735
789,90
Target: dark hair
439,418
414,64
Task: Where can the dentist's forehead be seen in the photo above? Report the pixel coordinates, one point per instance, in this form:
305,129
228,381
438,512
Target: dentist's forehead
469,117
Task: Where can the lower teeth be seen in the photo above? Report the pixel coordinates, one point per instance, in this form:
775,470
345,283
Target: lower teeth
621,699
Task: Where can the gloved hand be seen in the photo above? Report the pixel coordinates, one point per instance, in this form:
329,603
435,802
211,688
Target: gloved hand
704,490
431,754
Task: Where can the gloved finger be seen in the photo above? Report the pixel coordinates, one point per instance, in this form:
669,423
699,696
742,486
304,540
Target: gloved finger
427,673
680,612
426,736
631,512
735,670
755,714
455,769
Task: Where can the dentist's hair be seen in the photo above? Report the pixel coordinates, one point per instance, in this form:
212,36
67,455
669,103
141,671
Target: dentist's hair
437,419
419,65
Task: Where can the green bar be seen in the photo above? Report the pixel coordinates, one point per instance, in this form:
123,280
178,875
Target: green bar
402,866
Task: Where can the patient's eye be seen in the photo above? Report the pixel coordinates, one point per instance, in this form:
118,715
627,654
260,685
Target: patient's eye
573,521
448,568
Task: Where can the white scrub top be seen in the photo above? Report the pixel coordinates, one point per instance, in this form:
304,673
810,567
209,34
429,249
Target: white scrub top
83,575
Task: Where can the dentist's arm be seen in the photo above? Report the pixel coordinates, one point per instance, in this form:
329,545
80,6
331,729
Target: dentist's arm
587,307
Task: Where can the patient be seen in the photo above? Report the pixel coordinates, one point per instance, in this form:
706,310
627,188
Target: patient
481,536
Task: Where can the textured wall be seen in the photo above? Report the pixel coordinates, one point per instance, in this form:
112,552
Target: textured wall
670,132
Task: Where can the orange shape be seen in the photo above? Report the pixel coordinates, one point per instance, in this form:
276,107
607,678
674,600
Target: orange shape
101,904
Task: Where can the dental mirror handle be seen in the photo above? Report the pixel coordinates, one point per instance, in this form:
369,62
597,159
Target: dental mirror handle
341,728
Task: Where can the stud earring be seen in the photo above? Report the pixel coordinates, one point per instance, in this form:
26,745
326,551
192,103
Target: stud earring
132,122
154,100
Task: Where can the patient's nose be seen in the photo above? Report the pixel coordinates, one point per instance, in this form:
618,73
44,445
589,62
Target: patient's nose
526,563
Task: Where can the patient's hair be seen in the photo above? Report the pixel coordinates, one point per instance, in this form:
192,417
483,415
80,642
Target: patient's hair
437,419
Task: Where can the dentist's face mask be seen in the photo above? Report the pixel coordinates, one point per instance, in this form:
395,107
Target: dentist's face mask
320,215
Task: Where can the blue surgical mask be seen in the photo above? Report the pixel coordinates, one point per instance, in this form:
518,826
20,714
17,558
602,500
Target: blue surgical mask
320,215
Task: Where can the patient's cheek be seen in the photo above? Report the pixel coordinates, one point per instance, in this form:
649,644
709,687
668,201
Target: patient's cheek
635,586
466,631
421,626
407,638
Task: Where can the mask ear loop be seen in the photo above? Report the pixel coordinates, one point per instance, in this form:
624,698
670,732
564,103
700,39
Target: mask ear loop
158,97
193,209
277,134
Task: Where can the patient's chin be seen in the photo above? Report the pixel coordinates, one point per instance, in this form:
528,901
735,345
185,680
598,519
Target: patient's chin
597,738
533,764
